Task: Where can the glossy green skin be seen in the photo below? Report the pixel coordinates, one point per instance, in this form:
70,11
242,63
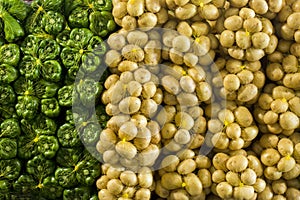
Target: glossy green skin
68,157
11,13
66,177
39,167
47,146
53,22
43,125
68,136
27,106
7,94
45,89
8,148
79,17
87,172
10,128
65,95
10,54
50,107
8,73
88,90
82,193
101,23
10,169
51,189
90,134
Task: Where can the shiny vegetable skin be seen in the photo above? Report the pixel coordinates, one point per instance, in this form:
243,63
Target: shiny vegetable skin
10,54
88,171
102,23
27,106
8,148
10,169
43,125
7,94
48,146
68,136
8,73
10,128
82,193
51,189
66,177
68,157
53,22
89,91
39,167
50,107
90,134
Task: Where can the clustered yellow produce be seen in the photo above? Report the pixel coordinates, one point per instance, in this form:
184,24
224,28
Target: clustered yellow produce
204,99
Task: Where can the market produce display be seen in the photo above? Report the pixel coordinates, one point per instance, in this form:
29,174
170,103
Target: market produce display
150,99
45,148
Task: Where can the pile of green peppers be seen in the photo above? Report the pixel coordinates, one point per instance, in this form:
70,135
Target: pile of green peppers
51,77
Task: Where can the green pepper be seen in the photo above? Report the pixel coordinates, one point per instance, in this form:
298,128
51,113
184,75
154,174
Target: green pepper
82,193
5,188
27,147
97,46
51,188
49,49
10,128
7,95
50,107
51,71
68,136
8,148
10,169
8,73
63,37
88,90
90,133
27,106
66,177
70,57
47,5
88,172
39,167
7,111
29,67
10,54
101,23
53,22
74,72
45,89
23,86
68,157
44,125
94,197
80,37
29,45
81,115
25,184
100,5
65,95
47,146
33,23
69,116
90,62
79,18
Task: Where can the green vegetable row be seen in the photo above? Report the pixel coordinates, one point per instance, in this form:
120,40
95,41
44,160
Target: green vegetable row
50,115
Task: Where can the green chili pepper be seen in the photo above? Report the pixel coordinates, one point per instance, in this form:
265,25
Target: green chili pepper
50,107
66,177
88,90
68,136
53,22
70,57
10,128
68,157
80,37
90,62
63,37
97,46
47,146
49,49
101,23
82,193
8,148
7,94
65,95
39,167
29,67
8,73
45,89
29,45
79,17
10,169
88,172
51,188
43,125
10,54
51,71
27,106
90,133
